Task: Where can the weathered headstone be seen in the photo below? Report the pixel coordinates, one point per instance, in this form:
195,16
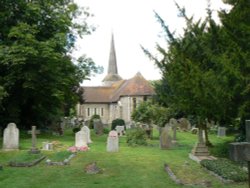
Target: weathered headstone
165,138
174,124
120,130
240,151
81,138
221,131
184,124
34,132
98,126
87,130
194,130
11,137
200,149
47,146
113,142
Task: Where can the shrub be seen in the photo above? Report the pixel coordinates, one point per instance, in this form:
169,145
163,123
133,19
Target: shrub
136,136
226,169
76,129
91,122
220,150
116,122
105,130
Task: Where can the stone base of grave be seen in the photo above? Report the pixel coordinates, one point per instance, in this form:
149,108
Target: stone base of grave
34,151
200,150
200,158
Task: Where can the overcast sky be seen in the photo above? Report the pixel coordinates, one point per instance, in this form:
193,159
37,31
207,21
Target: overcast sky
133,24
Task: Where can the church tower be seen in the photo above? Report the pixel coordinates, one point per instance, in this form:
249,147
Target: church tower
112,74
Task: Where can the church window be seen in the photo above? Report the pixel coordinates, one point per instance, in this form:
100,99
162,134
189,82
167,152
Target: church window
145,98
88,112
134,103
102,111
95,111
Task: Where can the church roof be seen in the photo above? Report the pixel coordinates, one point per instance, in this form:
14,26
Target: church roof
136,86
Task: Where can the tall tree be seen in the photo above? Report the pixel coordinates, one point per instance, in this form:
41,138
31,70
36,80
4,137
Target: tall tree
198,76
37,73
236,24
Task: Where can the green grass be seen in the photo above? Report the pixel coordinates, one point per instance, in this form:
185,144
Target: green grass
140,167
24,157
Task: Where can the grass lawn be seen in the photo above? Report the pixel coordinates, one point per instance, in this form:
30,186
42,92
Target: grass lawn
138,167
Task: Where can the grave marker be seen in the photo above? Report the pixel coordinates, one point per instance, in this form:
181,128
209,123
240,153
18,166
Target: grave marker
34,132
221,131
240,151
120,130
11,137
81,138
113,142
165,138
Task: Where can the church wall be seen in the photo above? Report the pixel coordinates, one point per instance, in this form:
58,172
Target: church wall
128,104
85,111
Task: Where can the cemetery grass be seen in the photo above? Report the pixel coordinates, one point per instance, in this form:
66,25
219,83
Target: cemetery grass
141,167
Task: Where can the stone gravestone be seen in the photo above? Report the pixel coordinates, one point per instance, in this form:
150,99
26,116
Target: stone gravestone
34,132
240,151
81,138
221,131
47,146
98,126
200,149
174,124
11,137
165,138
86,129
113,142
184,124
120,130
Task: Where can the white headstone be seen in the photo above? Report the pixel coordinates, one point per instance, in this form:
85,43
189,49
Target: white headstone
81,138
113,142
47,146
11,137
86,129
221,131
120,130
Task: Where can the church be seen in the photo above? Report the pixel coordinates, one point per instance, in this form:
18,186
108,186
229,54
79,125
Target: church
116,98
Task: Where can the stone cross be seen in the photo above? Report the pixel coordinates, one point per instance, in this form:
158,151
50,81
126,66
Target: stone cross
34,132
240,151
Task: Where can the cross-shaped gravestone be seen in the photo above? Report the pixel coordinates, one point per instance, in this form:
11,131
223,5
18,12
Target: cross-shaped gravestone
240,151
34,132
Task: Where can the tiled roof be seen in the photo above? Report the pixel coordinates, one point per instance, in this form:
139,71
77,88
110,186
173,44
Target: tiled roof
136,86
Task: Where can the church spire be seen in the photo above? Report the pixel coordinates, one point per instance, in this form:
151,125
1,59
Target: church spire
112,66
112,74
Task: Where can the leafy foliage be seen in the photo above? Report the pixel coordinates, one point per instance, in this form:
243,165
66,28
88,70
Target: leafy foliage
91,121
39,80
226,169
136,137
116,122
205,72
149,112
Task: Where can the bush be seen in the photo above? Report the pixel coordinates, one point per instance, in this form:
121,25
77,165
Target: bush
136,136
76,129
105,130
116,122
220,150
91,122
226,169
